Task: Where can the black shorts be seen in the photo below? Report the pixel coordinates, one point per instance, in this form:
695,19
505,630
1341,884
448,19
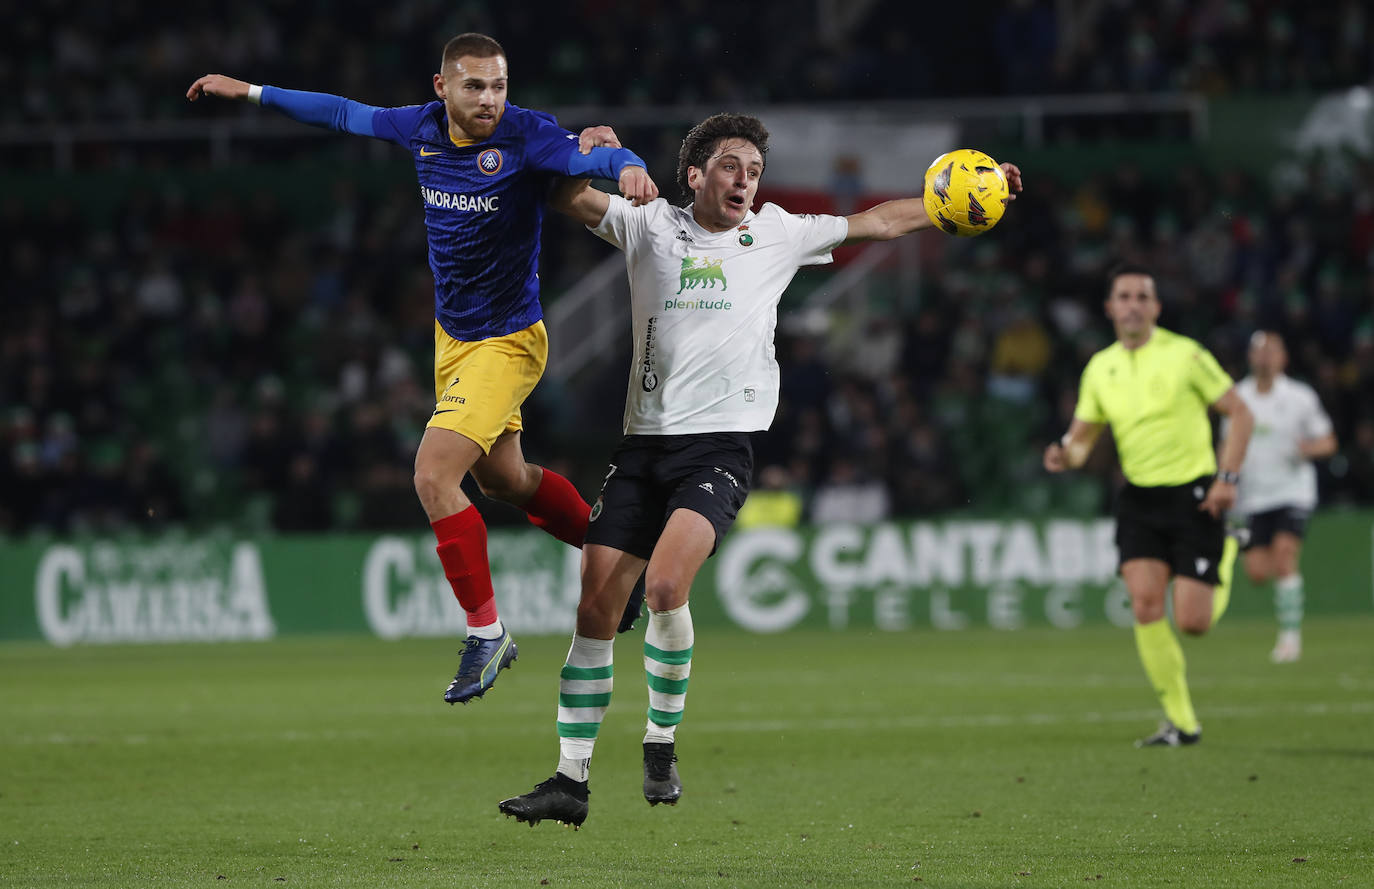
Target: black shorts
650,476
1165,523
1262,526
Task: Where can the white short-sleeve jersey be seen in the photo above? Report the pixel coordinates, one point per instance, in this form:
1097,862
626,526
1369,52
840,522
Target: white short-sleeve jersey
704,308
1275,473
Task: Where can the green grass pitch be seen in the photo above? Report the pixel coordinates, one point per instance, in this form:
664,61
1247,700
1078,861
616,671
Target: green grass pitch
966,759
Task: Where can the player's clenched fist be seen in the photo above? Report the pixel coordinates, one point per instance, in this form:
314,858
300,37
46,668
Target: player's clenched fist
637,187
218,85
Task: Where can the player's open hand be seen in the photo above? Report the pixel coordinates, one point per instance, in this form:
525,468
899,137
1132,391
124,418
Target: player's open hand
637,187
597,137
1220,497
1013,173
218,85
1054,457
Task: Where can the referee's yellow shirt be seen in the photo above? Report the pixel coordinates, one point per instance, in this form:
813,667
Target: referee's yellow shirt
1155,398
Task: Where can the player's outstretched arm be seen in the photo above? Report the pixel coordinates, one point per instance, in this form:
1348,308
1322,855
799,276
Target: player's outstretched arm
317,109
577,198
1072,451
595,154
888,220
892,219
218,85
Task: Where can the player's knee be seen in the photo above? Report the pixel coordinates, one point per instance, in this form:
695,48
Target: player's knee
662,594
428,484
1194,624
595,615
1147,610
1257,573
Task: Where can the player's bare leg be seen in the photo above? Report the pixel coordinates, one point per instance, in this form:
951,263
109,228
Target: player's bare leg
504,474
1259,565
1192,605
1160,653
442,460
1288,597
608,575
584,689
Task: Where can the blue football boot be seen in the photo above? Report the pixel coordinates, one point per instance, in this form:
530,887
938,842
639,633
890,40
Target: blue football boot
482,660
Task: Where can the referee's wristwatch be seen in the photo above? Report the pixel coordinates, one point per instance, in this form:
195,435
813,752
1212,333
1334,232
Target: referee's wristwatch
1231,478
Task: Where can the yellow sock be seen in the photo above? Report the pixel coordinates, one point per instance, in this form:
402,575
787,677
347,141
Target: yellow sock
1221,595
1164,665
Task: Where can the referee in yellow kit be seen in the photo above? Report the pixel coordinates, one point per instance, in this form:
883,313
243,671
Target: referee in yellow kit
1153,387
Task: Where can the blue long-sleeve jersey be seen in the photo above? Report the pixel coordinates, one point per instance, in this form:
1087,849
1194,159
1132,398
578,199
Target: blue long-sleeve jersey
484,202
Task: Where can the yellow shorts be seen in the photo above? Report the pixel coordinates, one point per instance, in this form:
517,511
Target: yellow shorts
479,386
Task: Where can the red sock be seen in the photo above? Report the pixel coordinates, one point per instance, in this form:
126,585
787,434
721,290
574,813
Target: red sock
463,551
557,508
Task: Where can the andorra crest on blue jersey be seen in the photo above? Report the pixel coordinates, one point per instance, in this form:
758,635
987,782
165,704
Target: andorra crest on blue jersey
489,161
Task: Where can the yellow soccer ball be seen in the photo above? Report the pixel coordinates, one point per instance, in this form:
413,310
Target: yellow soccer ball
966,192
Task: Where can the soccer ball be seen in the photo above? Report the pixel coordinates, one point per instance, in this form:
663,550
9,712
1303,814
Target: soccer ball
966,192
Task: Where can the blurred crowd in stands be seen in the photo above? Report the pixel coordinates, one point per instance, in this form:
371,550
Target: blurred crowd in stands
259,361
126,60
219,362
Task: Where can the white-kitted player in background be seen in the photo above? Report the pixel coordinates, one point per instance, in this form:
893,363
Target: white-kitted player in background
1278,483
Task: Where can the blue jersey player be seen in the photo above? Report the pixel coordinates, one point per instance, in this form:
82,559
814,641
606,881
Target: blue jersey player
484,168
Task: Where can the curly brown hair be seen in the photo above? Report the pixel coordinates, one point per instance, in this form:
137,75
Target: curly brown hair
703,138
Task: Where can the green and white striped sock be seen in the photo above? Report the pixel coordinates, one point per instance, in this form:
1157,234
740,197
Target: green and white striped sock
584,693
667,665
1288,600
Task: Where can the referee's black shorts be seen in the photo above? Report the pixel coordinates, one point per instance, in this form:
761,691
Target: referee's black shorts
1165,523
650,476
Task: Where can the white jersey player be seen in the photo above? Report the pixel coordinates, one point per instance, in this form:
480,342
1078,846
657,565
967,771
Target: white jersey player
705,282
1278,483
